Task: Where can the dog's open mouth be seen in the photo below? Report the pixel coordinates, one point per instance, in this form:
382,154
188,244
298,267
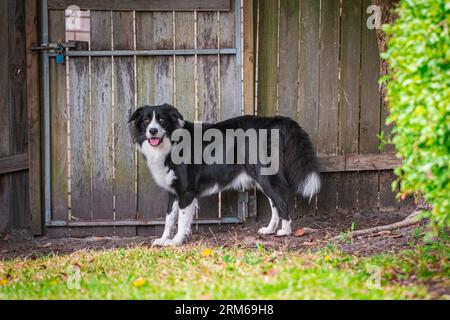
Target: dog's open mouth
155,141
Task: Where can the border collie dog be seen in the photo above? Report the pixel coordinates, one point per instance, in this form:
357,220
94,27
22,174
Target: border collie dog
153,129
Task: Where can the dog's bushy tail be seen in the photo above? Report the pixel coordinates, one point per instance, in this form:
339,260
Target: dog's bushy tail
300,161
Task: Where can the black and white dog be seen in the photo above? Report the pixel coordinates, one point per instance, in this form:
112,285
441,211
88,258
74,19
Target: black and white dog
154,129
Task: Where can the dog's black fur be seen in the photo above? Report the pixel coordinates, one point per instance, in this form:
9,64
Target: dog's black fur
297,159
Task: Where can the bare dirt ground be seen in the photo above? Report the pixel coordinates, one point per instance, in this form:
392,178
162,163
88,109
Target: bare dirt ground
319,231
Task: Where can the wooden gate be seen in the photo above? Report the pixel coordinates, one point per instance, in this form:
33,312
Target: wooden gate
127,54
318,62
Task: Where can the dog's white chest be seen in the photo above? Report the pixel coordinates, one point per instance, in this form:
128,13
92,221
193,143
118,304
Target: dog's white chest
156,157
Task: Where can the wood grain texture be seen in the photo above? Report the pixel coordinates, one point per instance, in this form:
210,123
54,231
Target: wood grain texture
14,163
154,86
34,119
184,66
20,210
370,115
288,56
229,101
309,68
59,118
208,89
80,135
124,162
267,51
249,56
101,115
328,99
5,181
144,5
308,78
349,104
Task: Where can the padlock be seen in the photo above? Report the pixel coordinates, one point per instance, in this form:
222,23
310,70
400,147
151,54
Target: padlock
60,59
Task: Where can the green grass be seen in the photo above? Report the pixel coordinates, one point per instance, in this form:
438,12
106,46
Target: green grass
194,272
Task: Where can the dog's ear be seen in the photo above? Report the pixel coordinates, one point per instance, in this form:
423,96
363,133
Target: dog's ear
136,115
175,115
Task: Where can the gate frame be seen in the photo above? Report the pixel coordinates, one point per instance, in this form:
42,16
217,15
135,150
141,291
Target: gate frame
243,197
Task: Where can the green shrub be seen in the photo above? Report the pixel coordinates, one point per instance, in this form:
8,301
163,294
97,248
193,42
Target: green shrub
418,94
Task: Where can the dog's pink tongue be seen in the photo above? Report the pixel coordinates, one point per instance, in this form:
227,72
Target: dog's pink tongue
154,141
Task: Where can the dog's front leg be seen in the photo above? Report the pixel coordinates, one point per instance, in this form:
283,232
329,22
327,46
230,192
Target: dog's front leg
171,219
185,217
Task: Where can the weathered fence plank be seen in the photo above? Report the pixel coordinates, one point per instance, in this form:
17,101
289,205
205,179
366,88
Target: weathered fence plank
154,86
5,188
124,150
59,118
288,58
19,138
185,65
228,106
267,60
101,128
349,94
208,88
328,99
308,78
369,116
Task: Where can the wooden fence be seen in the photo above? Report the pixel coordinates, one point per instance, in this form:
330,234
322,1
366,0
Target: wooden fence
14,199
318,62
313,60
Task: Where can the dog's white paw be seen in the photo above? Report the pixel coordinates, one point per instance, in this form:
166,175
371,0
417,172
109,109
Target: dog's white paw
160,242
174,242
266,230
283,233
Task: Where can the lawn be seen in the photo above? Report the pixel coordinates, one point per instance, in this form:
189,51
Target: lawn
199,272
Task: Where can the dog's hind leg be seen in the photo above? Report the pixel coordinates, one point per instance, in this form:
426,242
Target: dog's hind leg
274,220
185,217
277,190
171,219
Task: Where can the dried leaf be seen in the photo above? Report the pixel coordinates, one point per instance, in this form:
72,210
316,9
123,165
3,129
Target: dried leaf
299,232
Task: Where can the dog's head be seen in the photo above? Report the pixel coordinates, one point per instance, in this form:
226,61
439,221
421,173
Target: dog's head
155,123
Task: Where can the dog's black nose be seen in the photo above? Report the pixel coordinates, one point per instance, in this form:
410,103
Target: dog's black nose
153,131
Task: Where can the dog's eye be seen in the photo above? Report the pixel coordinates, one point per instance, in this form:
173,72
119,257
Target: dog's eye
146,121
161,120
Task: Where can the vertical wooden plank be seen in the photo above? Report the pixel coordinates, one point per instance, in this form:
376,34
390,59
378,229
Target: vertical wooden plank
288,62
388,201
349,93
21,218
288,57
267,74
229,101
5,180
80,144
58,107
124,182
370,115
34,119
154,86
267,60
184,65
309,67
249,56
308,78
208,89
101,127
328,99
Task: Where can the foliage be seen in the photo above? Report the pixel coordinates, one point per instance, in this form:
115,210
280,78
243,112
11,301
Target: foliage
418,94
195,272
